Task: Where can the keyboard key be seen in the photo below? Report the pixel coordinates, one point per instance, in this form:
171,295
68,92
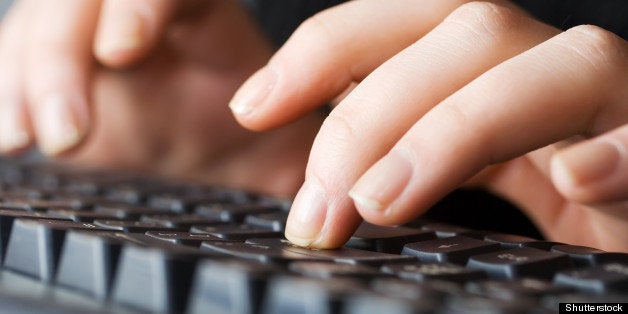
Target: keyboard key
605,278
155,279
373,303
183,221
232,212
444,230
236,233
35,245
456,249
511,241
133,226
275,221
480,305
79,215
129,212
325,270
512,290
185,238
287,294
433,271
521,262
229,287
586,256
386,239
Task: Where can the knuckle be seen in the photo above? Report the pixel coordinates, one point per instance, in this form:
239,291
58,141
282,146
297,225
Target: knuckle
321,28
486,18
596,45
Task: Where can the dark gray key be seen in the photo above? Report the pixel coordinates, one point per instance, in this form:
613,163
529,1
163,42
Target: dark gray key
433,271
229,287
587,256
275,221
184,203
605,278
456,249
325,270
80,215
386,239
155,279
185,238
444,230
35,245
481,305
521,262
42,205
436,290
232,212
129,212
511,241
515,289
134,226
88,261
282,251
373,303
289,295
236,233
183,221
7,216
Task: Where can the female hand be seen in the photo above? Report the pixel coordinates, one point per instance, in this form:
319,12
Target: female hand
157,98
451,93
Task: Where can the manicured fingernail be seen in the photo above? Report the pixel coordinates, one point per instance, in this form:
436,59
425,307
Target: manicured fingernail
126,33
307,215
58,125
382,183
253,92
587,163
13,134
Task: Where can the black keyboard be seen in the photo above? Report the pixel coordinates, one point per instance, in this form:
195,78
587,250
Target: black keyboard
87,241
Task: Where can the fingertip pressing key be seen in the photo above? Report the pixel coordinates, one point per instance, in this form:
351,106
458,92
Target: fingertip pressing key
307,215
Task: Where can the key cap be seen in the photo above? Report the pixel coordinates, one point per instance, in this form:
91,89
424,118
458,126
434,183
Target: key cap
386,239
183,221
129,212
481,305
444,230
586,256
373,303
229,287
521,262
511,241
185,238
436,290
605,278
236,233
287,294
184,203
80,215
515,289
133,226
456,249
7,216
433,271
35,245
232,212
324,270
275,221
156,279
42,205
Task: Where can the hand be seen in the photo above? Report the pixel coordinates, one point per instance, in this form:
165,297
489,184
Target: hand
165,112
450,94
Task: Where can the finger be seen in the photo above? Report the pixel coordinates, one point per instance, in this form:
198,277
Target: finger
572,84
127,30
15,130
328,52
594,171
58,62
376,114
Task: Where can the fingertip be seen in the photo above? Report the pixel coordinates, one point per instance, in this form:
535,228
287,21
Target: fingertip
248,104
14,132
120,40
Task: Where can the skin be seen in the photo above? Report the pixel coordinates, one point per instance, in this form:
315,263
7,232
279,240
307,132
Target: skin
447,93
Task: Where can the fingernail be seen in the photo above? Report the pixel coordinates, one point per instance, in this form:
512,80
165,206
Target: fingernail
13,133
253,92
307,215
57,125
587,163
382,183
125,33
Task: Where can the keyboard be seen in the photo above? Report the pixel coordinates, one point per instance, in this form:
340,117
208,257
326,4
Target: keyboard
93,241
